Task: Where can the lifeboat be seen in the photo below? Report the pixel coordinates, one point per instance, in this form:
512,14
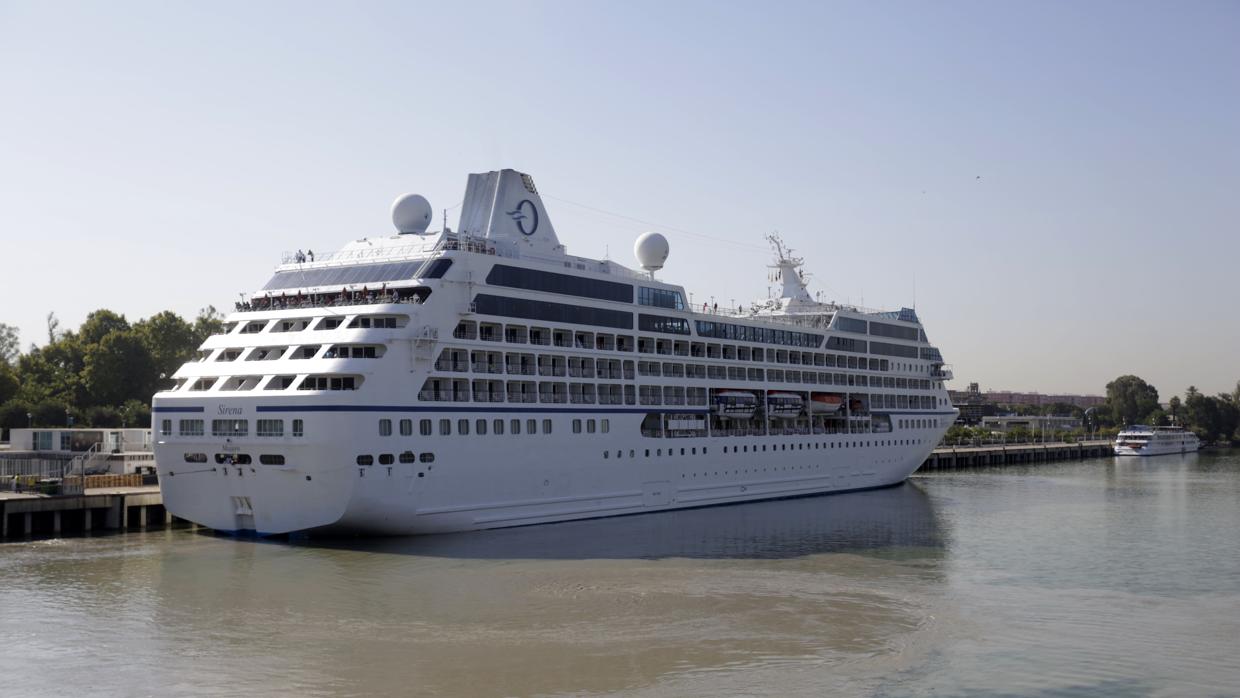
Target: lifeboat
822,403
784,405
735,404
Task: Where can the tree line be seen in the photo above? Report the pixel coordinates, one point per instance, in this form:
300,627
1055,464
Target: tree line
101,375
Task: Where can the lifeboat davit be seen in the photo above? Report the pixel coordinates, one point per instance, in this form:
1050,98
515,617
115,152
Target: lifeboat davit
822,403
784,405
735,404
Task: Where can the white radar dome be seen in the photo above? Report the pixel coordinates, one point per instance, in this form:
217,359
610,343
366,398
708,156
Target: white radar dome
411,213
651,251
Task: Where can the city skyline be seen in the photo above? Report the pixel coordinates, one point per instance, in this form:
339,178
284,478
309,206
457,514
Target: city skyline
1050,185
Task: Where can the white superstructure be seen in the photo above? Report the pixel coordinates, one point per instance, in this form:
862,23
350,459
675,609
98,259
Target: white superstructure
485,378
1141,440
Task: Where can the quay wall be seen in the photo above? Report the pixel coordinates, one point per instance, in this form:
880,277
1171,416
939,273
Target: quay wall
1013,454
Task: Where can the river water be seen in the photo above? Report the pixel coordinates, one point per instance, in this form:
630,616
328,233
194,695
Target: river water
1093,578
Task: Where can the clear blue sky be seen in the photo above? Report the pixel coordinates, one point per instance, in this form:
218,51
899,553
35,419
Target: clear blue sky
163,155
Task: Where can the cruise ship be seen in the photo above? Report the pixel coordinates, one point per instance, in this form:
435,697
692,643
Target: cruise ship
482,378
1142,440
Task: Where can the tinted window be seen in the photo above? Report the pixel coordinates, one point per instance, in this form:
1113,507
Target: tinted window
338,276
849,324
434,269
534,280
551,312
659,323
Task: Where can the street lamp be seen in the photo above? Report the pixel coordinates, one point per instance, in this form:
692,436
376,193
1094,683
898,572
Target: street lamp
30,419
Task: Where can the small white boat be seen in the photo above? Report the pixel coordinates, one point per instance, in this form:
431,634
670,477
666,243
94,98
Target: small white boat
1142,440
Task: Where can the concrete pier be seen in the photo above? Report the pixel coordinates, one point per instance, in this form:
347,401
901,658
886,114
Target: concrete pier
1012,454
112,508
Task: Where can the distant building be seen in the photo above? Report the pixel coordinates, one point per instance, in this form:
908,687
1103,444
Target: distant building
75,440
972,405
1007,397
1032,423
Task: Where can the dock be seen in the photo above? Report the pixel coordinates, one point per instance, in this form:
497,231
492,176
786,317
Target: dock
24,514
1013,454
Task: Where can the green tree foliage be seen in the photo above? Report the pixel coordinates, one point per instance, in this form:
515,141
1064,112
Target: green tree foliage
1157,418
1062,409
118,369
1130,399
105,372
10,347
170,341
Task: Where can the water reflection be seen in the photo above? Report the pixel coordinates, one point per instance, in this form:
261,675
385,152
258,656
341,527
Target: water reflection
900,517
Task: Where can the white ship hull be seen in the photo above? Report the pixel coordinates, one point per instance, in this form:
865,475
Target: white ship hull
1158,449
484,378
484,482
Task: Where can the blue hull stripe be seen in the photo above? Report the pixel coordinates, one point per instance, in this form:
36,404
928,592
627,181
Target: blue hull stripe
421,408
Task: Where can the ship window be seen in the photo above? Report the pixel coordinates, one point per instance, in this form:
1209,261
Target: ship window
408,457
254,327
531,426
385,427
299,428
365,460
546,426
271,459
427,457
564,284
270,427
190,427
435,269
195,458
480,427
660,323
605,426
424,426
590,426
232,458
576,426
229,427
660,298
386,459
497,427
516,426
462,427
165,427
445,427
487,304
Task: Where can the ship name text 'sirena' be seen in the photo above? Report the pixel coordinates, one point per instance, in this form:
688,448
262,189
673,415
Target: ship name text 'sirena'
483,377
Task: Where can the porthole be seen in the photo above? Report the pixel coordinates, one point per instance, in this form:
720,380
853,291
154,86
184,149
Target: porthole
365,460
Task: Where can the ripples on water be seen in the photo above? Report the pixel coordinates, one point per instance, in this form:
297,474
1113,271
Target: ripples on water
1094,578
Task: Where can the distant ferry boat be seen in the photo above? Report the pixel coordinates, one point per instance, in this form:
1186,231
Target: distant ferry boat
483,378
1141,440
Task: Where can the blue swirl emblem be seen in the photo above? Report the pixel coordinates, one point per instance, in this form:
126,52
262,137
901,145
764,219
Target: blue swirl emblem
525,215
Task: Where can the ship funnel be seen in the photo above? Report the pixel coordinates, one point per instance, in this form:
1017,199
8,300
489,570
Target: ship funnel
505,206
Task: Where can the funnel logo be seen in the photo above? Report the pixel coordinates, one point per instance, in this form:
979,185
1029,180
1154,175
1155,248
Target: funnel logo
525,215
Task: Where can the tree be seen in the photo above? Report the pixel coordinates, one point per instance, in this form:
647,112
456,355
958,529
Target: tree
1174,407
1228,416
10,344
100,324
170,340
1157,418
1202,413
53,327
8,383
119,368
208,322
1130,399
136,413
